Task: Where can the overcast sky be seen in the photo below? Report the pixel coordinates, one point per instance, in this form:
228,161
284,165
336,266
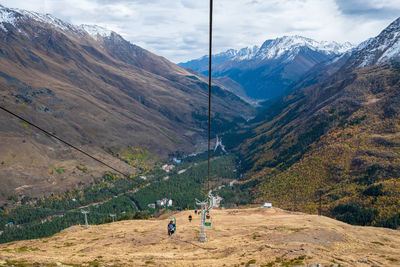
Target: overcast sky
178,29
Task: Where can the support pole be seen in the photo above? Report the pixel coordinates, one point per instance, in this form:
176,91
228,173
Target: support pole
85,212
112,216
203,234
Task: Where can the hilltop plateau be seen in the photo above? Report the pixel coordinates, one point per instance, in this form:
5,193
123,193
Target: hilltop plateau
238,237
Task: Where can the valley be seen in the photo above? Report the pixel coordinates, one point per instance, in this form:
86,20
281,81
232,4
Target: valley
126,197
311,127
99,92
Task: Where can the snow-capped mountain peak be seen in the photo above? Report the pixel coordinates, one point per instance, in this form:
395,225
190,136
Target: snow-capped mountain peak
247,53
276,48
95,30
286,45
238,55
12,16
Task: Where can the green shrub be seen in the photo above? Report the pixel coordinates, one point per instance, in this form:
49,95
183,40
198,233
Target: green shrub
352,213
82,168
60,170
374,190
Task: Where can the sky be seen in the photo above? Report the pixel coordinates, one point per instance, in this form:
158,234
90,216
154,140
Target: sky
178,29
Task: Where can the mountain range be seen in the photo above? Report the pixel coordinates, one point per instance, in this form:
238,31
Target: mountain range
327,138
335,138
94,89
265,72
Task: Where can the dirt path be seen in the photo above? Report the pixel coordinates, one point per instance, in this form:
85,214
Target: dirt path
262,237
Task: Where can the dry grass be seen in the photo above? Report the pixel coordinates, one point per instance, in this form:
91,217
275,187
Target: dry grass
243,237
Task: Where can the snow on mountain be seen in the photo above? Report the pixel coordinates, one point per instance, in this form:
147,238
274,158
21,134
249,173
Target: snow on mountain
276,48
246,53
286,45
266,71
380,49
95,30
6,16
48,19
13,15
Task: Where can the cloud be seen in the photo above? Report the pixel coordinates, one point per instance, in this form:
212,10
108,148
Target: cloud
369,9
178,29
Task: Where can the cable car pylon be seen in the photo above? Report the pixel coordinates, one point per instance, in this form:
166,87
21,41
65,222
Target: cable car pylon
205,207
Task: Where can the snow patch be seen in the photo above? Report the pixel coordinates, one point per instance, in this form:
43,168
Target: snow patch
380,49
3,28
6,16
12,15
95,31
291,45
391,51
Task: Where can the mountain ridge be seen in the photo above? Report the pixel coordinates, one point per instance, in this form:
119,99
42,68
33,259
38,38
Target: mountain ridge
379,49
101,94
334,138
267,71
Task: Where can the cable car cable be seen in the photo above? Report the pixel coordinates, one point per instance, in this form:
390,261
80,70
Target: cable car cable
65,142
209,94
72,146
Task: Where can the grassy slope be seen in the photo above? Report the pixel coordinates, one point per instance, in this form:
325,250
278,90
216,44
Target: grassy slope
270,237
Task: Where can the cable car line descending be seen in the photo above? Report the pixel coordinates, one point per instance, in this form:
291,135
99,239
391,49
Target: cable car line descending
65,142
209,94
74,147
88,155
205,205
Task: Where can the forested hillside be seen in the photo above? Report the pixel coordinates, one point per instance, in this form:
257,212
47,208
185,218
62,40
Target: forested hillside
336,143
126,197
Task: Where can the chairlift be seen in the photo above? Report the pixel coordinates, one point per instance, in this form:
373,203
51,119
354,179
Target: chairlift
172,216
207,217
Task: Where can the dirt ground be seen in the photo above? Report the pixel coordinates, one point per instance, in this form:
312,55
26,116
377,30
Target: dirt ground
241,237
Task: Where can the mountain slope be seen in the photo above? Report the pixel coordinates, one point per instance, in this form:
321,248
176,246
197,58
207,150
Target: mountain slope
382,48
266,71
335,139
271,237
98,93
